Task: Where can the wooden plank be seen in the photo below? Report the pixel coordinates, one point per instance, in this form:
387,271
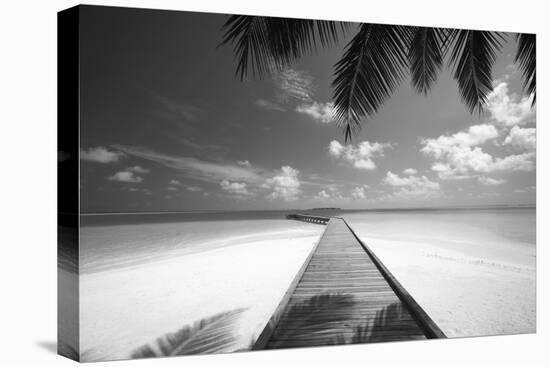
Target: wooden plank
266,333
341,295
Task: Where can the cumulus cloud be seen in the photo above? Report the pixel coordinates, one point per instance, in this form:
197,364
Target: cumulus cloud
358,193
459,156
410,171
175,182
125,176
516,162
474,135
244,163
138,169
393,179
360,156
411,187
100,155
509,109
329,193
522,138
239,189
322,112
488,181
284,185
322,195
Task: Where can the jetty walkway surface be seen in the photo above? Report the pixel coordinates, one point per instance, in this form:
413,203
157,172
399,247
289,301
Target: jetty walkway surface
343,294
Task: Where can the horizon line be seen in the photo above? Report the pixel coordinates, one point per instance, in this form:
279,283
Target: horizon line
528,205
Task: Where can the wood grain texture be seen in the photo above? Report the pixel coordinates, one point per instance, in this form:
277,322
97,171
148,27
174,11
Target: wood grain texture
342,296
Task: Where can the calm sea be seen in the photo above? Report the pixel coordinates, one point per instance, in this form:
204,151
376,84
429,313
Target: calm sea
506,234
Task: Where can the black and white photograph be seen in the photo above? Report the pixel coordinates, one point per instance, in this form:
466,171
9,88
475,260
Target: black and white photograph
232,183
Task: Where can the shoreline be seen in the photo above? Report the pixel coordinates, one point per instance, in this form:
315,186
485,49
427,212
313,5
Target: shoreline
182,290
465,295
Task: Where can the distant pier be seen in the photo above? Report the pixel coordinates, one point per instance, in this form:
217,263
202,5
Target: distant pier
343,294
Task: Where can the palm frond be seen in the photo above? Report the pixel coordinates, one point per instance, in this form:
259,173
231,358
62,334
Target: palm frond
215,334
372,67
472,57
526,56
266,44
426,57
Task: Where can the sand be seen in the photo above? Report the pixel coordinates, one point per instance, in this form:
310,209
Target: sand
465,296
126,308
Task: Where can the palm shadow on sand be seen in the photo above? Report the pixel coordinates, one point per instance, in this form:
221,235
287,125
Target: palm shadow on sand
214,334
322,314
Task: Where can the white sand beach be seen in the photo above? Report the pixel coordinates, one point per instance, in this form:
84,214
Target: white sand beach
473,272
125,308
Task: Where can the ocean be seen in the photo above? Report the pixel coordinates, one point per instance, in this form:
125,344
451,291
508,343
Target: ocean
472,270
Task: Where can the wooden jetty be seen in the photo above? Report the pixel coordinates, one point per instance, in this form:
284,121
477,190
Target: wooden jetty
343,294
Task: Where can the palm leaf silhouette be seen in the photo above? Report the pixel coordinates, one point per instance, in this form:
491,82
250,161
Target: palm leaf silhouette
376,59
372,67
426,56
472,57
267,44
213,334
526,56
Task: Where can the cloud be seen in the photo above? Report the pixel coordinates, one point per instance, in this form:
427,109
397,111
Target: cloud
516,162
138,169
100,155
244,163
522,138
322,112
238,189
268,105
172,188
177,110
474,135
294,85
282,184
199,169
335,148
144,191
526,189
458,156
175,182
322,195
488,181
509,109
411,187
285,184
361,156
125,176
358,193
410,171
393,179
193,188
330,193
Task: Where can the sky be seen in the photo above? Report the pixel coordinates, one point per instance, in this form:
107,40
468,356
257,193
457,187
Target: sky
166,126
